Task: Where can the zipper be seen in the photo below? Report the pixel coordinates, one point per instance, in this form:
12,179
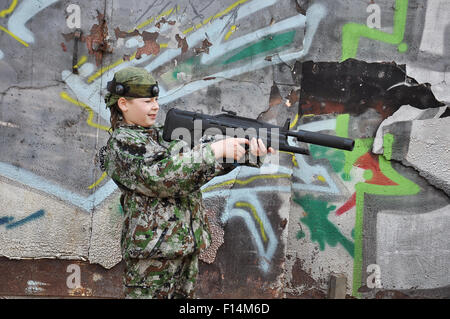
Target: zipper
158,243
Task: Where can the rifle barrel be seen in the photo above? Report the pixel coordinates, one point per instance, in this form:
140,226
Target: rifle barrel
323,139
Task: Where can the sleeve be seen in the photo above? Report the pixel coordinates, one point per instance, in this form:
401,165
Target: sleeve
155,171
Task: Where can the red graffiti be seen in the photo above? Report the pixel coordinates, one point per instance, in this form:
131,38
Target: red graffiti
367,161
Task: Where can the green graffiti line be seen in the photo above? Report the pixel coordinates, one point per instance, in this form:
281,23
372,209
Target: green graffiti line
352,32
270,43
404,187
322,230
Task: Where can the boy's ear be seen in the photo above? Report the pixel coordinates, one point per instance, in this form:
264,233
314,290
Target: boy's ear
122,103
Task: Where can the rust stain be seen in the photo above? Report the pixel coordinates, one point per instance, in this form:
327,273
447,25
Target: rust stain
204,48
393,294
48,277
182,43
149,38
96,41
292,98
275,96
124,34
316,107
80,292
309,294
63,46
162,21
150,44
299,8
68,36
300,277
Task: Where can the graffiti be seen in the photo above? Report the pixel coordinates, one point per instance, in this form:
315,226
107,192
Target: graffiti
245,205
24,12
308,174
322,230
380,179
10,224
66,97
3,14
11,8
27,178
215,28
19,17
352,32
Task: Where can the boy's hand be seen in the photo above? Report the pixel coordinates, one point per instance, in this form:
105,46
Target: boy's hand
232,148
258,148
229,148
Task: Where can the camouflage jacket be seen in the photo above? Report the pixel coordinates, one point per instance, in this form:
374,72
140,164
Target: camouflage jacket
161,197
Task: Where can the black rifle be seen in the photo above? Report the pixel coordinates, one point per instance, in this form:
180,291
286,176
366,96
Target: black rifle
231,125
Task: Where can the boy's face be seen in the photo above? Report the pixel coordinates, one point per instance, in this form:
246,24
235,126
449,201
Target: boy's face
139,111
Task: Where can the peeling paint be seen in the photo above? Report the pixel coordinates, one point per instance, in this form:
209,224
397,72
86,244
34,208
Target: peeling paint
96,42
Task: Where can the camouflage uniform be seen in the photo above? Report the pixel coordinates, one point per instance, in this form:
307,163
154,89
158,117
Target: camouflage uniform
165,226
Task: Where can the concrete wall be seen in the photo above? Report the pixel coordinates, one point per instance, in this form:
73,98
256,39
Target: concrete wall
374,71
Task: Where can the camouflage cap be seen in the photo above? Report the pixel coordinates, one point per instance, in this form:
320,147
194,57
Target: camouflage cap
136,81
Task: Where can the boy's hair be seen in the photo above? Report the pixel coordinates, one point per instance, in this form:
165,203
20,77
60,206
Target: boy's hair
116,116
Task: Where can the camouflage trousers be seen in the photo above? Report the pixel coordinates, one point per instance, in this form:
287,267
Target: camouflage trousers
161,278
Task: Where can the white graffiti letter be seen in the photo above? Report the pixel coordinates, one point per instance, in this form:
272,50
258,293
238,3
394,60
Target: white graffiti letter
374,20
74,279
74,18
374,279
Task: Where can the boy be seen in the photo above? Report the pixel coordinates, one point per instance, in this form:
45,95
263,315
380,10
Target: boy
164,225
